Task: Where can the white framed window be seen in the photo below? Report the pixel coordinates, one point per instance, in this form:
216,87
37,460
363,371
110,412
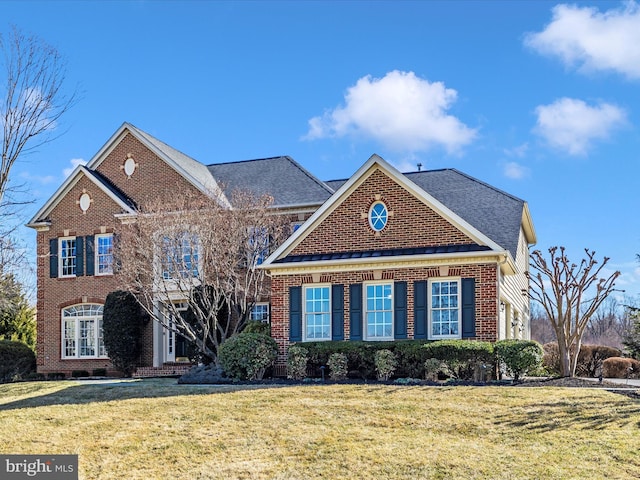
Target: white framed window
82,335
67,259
104,254
378,216
378,314
258,245
180,256
260,312
445,316
317,312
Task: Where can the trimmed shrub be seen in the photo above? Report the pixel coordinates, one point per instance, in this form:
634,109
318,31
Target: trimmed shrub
257,326
122,323
16,360
338,366
551,358
99,372
247,356
591,357
462,358
519,357
411,358
432,369
79,373
297,359
386,364
56,376
619,367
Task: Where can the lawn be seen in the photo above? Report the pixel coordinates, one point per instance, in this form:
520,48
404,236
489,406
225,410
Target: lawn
156,429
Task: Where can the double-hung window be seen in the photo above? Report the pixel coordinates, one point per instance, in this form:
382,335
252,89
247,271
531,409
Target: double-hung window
317,313
379,311
260,312
258,245
180,256
67,262
444,309
104,254
82,332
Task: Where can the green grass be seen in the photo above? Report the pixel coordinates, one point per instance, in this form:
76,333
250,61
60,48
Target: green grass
156,429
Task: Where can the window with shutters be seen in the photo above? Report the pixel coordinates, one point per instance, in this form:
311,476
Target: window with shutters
104,254
444,309
260,313
68,257
317,313
378,315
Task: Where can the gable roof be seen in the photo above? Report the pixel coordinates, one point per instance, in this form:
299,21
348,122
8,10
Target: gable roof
282,177
377,163
41,216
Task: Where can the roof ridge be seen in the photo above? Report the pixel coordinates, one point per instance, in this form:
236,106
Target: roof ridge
165,144
496,189
310,175
246,161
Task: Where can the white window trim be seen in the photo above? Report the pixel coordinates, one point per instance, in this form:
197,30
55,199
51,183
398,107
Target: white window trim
304,312
60,262
386,212
365,311
159,265
261,304
76,319
430,335
96,255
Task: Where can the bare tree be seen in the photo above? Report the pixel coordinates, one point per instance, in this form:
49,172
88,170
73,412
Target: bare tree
193,263
32,100
570,294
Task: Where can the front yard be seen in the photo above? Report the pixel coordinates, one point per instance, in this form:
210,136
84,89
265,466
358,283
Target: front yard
156,429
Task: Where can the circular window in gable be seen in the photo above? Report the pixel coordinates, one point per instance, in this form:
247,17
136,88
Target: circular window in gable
378,216
85,202
129,166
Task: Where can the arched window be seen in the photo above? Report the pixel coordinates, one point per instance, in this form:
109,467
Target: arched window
82,331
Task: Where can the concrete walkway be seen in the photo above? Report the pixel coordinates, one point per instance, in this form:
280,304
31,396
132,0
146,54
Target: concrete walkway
631,382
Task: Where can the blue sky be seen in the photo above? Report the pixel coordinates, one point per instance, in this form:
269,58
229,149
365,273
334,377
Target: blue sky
540,99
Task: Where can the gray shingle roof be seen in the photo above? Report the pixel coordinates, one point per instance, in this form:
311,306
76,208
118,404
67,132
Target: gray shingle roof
282,177
495,213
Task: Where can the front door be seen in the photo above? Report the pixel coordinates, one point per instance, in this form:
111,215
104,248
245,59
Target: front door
175,346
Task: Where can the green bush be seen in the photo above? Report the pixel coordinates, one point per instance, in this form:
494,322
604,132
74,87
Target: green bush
411,358
619,367
56,376
122,323
433,368
247,356
519,357
386,364
297,359
338,366
16,360
257,326
79,373
462,359
99,372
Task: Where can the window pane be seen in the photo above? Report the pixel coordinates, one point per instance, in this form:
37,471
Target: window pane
379,314
317,313
444,313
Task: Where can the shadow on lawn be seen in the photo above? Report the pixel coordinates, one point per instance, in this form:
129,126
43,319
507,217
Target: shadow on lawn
80,394
574,413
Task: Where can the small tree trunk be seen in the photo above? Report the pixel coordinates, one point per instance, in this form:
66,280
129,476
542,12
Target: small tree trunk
565,359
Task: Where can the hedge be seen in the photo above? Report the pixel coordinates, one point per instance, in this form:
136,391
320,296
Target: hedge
16,361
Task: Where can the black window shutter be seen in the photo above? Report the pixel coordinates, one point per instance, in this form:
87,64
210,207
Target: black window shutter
337,312
400,310
79,256
89,241
53,258
355,311
420,309
295,314
468,307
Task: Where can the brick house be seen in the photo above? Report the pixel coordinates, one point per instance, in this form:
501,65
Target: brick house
380,236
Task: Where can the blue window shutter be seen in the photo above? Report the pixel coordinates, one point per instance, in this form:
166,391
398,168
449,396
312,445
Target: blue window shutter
79,256
295,314
53,258
89,241
400,310
355,311
420,310
337,312
468,307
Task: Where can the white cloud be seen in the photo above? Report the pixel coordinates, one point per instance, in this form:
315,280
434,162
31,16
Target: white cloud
400,110
590,40
571,125
42,179
515,171
520,151
74,163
